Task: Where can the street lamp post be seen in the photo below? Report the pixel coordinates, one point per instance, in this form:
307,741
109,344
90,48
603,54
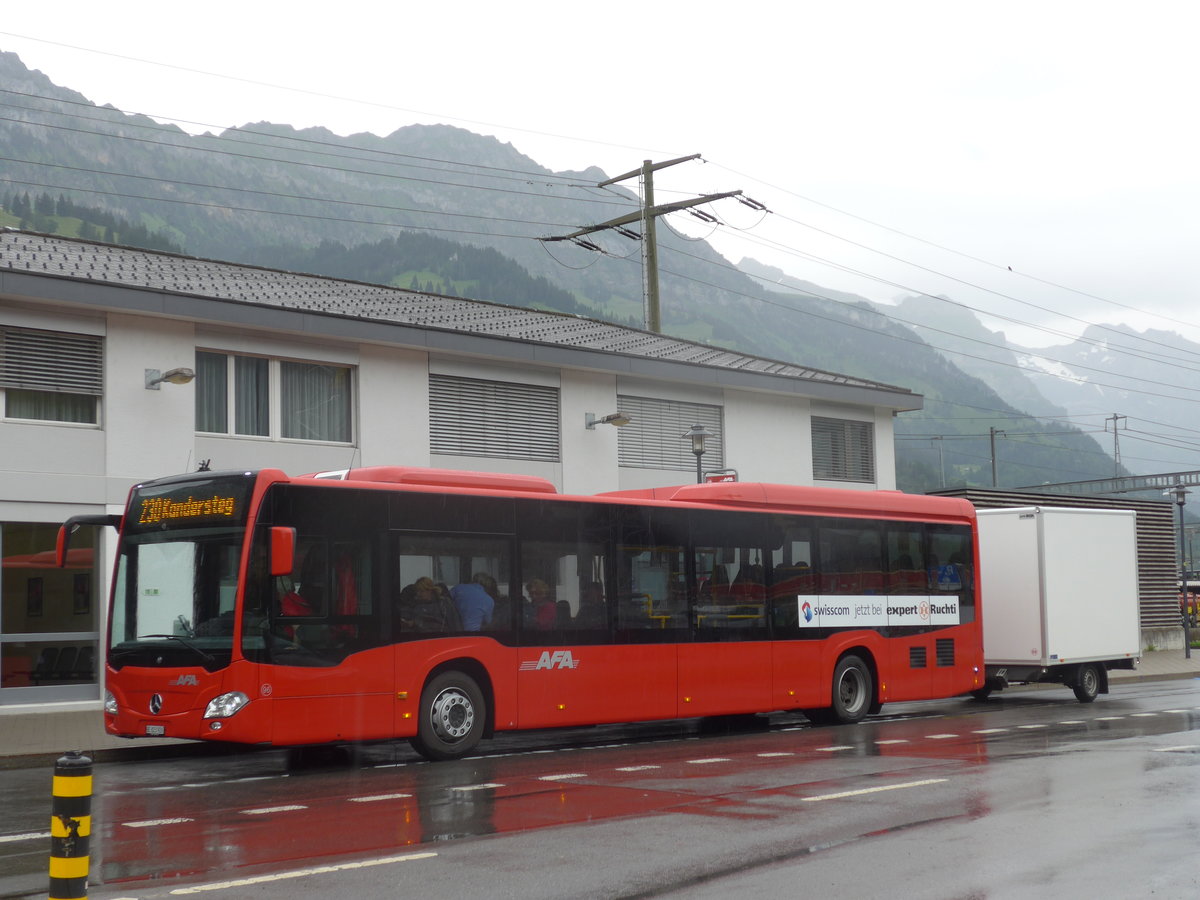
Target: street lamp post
698,434
1181,493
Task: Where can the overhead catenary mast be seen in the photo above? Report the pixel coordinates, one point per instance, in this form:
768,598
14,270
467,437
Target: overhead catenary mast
647,215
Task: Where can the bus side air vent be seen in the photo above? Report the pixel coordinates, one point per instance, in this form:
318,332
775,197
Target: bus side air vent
916,657
945,651
452,478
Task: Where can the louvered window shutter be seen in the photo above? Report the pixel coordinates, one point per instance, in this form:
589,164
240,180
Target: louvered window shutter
843,450
52,361
500,419
652,439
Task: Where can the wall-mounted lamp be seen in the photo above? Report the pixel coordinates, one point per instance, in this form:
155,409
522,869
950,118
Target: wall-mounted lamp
154,378
618,419
698,435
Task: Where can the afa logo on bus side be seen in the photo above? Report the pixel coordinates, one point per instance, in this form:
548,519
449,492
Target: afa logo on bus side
557,659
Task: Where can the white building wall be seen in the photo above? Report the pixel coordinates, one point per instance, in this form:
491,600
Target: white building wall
148,433
768,437
885,450
589,455
393,407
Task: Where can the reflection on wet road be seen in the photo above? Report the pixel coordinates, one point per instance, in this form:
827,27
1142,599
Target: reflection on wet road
220,816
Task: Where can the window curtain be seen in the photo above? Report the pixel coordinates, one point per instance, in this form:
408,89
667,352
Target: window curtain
49,407
251,407
212,392
315,402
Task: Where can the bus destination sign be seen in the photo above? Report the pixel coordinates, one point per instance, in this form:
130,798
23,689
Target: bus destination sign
168,509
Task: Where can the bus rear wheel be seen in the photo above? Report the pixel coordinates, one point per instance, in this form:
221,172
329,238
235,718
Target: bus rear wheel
853,690
452,717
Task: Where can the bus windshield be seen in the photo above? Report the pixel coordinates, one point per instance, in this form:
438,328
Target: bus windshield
175,589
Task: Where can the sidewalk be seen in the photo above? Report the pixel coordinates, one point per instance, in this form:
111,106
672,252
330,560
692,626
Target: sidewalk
36,735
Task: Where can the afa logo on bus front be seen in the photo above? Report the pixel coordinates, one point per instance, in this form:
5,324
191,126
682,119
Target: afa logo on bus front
877,611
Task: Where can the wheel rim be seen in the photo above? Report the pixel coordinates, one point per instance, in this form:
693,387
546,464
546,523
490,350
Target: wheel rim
452,715
1090,681
852,690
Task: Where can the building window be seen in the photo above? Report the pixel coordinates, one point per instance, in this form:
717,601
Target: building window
843,450
49,616
260,397
501,419
51,376
653,439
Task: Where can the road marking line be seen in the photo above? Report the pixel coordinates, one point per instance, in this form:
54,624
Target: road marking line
778,753
1188,747
1030,727
300,873
1143,715
1073,722
379,797
874,790
564,777
834,749
939,737
154,823
1108,718
267,810
32,836
490,785
636,768
990,731
707,762
1176,710
893,741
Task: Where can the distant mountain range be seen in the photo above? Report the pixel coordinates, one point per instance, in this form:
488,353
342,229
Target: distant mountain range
441,209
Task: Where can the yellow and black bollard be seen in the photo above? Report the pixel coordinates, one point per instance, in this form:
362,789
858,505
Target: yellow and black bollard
70,827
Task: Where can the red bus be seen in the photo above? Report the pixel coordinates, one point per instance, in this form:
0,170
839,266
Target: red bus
443,606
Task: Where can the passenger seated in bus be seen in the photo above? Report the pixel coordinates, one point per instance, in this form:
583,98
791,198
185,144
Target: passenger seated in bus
475,600
424,606
593,612
540,609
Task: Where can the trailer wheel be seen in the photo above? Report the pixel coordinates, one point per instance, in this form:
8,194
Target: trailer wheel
1087,683
853,690
452,717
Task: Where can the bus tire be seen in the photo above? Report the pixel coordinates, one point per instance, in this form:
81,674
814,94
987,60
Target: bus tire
453,716
1087,683
853,690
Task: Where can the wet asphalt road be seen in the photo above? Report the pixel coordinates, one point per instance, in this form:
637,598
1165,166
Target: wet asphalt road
1030,794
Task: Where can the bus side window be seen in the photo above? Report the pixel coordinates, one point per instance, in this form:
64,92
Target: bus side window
905,560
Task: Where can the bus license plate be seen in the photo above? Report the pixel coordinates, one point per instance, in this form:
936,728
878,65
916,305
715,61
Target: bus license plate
156,730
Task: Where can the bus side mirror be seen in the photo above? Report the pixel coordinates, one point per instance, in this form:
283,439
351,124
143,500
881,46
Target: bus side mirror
283,550
63,543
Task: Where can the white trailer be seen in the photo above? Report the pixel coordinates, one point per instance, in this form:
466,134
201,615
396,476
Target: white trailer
1059,590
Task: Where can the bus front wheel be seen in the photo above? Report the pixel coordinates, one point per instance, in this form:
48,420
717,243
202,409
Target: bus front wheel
853,690
452,717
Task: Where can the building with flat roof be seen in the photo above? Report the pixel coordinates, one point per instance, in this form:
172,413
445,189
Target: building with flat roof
306,373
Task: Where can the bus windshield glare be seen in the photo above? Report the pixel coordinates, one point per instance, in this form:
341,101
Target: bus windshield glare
177,572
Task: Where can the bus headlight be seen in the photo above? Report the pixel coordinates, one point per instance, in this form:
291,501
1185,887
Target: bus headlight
226,705
110,703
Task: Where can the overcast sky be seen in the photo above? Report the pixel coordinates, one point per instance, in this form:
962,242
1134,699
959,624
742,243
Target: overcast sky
930,146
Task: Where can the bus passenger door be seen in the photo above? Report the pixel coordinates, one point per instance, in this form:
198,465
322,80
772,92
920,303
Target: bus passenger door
727,670
332,671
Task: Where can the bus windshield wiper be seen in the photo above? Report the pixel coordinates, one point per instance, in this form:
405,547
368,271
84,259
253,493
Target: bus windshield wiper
207,657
